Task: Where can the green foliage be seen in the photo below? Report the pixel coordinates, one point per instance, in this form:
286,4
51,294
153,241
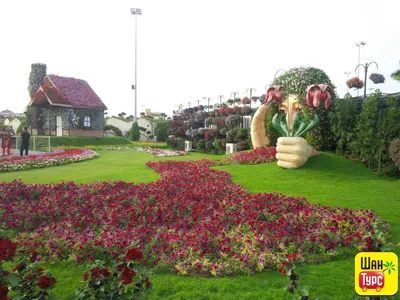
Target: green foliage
81,141
116,130
344,121
134,133
378,125
38,73
270,130
296,81
161,130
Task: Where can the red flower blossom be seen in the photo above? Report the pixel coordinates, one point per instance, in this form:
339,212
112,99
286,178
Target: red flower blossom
127,276
45,282
275,94
85,276
317,93
33,254
284,266
7,249
147,281
3,292
292,256
134,254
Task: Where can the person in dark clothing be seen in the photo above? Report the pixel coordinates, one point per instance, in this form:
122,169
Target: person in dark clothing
25,136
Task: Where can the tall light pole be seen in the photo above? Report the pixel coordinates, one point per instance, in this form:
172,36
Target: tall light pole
347,78
136,12
251,91
359,44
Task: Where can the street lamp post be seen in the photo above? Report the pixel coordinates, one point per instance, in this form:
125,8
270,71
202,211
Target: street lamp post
366,66
251,92
136,12
208,103
234,95
359,44
347,78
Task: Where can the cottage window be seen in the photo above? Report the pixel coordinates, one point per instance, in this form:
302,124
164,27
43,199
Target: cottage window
86,121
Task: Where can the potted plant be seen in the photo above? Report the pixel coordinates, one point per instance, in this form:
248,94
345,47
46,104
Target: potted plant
396,75
377,78
355,82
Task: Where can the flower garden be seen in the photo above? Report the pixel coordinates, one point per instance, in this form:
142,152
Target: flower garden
56,158
140,222
194,220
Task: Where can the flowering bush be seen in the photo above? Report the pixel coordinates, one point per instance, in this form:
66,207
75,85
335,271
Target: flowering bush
377,78
191,220
27,280
394,152
124,279
246,100
155,151
355,82
256,156
56,158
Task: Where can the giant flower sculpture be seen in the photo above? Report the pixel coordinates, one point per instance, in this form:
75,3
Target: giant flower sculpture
292,122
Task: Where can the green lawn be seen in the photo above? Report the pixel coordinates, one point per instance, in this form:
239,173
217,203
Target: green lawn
326,179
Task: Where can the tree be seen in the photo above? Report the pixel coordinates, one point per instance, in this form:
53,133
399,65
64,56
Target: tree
344,121
377,126
296,81
134,133
122,115
161,131
36,77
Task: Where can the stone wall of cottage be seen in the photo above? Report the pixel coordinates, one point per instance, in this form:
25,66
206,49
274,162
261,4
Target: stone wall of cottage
48,118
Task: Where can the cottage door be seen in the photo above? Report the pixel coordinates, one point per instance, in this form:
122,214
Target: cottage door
59,126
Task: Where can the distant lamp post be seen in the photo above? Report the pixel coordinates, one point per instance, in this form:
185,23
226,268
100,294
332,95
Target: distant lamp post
220,97
234,97
347,78
136,12
251,93
366,66
359,44
208,103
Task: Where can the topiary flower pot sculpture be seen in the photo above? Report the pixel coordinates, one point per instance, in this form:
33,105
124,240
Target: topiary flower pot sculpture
292,123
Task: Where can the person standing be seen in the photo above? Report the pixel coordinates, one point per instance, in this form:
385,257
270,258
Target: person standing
25,136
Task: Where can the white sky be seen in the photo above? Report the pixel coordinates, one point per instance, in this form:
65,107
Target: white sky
191,49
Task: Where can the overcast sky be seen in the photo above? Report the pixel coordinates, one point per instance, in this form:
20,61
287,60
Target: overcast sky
191,49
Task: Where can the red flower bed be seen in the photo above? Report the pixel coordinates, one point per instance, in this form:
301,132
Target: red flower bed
257,156
194,220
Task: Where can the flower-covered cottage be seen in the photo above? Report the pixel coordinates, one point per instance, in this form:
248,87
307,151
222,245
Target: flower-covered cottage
65,106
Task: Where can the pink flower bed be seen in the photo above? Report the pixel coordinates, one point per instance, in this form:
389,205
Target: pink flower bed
257,156
193,220
43,160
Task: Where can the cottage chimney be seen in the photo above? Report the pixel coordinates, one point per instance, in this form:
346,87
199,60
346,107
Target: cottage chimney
36,77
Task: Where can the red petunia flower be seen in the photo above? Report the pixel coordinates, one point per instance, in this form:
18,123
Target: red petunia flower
148,282
134,254
7,249
127,276
45,282
34,255
292,256
3,292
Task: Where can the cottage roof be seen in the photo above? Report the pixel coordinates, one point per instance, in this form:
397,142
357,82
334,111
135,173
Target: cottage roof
71,92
